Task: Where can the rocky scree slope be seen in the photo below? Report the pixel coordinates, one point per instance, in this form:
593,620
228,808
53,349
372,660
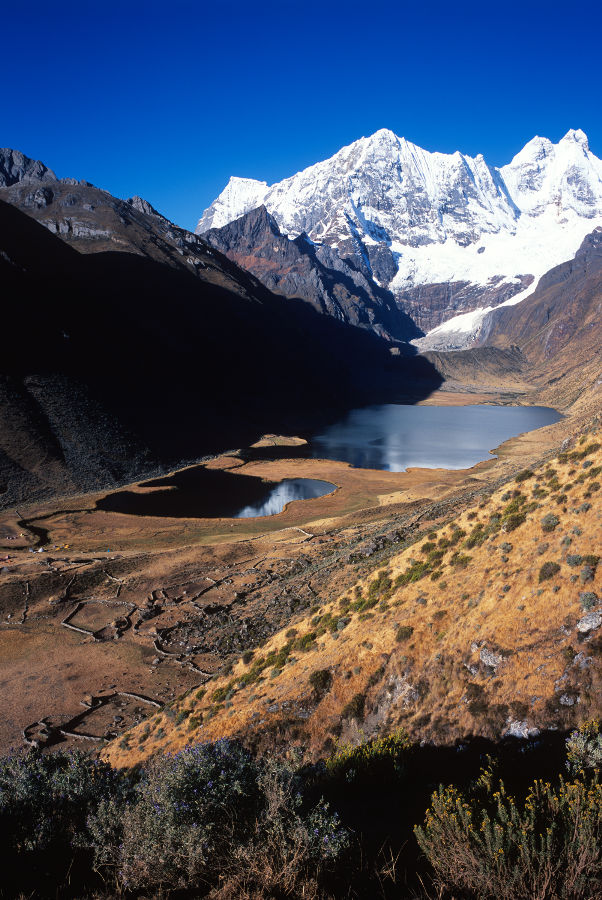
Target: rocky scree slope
447,234
489,625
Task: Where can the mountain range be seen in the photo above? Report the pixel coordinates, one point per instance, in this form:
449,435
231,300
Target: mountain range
138,345
442,234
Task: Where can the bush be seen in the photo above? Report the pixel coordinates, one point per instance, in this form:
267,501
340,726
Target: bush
549,522
404,633
460,560
548,570
379,758
45,799
289,846
584,748
188,809
512,521
488,845
321,681
198,818
588,600
416,571
524,475
380,586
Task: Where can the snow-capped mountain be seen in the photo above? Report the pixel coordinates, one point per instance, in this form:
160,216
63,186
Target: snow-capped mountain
445,233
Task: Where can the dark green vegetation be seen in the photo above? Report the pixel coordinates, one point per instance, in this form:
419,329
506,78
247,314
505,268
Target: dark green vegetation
517,820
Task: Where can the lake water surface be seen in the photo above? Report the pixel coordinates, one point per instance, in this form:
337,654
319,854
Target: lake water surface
395,437
389,436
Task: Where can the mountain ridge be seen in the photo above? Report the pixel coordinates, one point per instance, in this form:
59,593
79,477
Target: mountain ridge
410,219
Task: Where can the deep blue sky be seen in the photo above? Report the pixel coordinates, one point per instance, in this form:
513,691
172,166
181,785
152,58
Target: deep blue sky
168,99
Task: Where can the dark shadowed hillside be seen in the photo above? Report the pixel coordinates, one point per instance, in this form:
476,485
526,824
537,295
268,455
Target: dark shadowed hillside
119,363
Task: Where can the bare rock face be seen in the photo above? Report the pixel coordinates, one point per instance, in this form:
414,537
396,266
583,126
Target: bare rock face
431,304
15,167
589,622
315,273
144,206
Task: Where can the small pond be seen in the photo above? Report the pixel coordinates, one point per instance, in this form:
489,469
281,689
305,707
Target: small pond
198,492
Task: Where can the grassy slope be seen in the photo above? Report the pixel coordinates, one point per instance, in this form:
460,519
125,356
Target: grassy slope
432,675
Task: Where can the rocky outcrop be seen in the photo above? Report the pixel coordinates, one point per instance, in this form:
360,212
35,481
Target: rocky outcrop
315,273
16,167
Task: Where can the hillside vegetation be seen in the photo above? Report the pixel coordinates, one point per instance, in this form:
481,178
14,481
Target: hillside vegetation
487,626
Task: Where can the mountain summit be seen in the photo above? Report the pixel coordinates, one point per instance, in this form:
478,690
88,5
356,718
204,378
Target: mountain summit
413,220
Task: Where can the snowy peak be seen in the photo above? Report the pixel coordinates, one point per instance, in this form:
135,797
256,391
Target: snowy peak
238,197
474,234
384,187
578,136
563,176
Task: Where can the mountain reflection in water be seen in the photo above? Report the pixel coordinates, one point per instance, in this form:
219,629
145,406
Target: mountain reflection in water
198,492
283,493
395,437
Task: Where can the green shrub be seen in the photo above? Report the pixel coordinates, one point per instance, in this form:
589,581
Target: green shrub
524,475
456,536
321,681
305,642
548,570
198,816
380,586
476,537
584,748
515,505
220,694
573,559
588,600
488,845
379,758
512,521
416,571
549,522
45,799
460,560
404,633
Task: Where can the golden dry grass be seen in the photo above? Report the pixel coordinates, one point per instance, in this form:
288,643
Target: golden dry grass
434,682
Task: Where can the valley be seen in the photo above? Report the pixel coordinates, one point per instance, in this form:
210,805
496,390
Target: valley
316,487
136,603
